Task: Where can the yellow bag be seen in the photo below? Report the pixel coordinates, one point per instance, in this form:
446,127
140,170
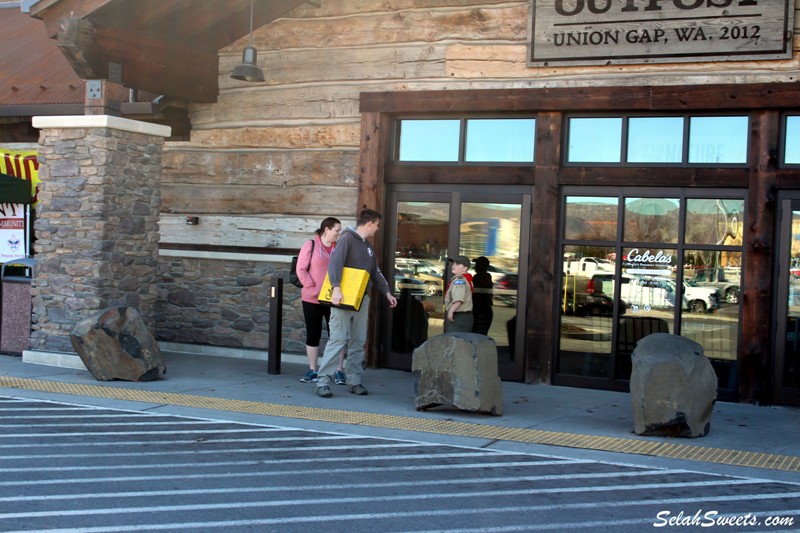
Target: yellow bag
354,286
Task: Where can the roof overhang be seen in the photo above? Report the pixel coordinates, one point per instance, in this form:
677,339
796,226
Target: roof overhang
167,47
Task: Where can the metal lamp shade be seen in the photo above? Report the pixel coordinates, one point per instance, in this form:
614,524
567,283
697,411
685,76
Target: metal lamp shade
248,70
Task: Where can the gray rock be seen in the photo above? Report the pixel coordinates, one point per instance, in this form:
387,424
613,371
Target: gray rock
115,344
458,370
673,387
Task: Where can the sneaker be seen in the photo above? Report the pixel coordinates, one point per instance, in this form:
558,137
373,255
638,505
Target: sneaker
358,389
310,377
340,378
324,391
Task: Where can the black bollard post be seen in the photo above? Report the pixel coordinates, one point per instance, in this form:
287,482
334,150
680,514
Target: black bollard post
275,325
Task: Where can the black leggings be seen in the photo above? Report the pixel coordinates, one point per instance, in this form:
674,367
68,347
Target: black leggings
314,314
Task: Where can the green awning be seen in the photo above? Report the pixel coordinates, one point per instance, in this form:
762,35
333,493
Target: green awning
14,190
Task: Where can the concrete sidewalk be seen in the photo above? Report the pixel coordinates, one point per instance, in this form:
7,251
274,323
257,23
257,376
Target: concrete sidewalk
535,418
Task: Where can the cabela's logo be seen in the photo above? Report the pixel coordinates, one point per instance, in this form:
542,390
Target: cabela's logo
660,258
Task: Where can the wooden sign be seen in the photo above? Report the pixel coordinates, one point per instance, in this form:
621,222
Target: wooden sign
607,32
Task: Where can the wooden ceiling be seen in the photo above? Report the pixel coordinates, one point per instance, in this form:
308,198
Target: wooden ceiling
167,47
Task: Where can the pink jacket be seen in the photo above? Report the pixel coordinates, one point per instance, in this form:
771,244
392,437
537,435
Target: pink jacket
312,269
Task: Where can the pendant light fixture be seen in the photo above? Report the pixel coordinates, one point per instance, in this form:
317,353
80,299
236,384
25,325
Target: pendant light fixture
248,70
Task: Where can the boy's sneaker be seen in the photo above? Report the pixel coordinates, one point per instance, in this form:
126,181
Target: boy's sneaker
340,378
310,377
359,390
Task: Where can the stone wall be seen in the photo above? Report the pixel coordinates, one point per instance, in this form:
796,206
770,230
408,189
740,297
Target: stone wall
97,224
224,302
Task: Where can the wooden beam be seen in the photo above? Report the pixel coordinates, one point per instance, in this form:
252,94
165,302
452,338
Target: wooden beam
52,12
76,41
573,175
647,176
235,23
427,174
149,63
157,18
641,98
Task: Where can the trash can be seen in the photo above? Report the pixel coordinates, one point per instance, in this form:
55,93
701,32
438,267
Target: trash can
15,309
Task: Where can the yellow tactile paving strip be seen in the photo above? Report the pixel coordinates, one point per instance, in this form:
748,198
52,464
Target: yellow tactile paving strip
787,463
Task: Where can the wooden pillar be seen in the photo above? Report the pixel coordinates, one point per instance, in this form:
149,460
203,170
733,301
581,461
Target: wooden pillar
374,133
755,352
103,97
540,334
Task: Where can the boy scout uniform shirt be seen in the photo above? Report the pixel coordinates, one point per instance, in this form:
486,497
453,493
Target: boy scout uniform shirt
459,290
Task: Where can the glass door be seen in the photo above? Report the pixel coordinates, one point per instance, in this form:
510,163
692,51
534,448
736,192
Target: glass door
787,345
424,230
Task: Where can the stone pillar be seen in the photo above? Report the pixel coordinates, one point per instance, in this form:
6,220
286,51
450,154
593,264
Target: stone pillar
97,222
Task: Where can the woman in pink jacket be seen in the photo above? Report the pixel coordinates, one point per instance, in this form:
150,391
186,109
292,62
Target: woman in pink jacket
312,265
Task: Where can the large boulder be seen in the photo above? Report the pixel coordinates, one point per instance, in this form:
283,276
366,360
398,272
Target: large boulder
115,344
458,370
673,387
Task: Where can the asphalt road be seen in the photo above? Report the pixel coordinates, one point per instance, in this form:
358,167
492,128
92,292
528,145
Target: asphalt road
71,467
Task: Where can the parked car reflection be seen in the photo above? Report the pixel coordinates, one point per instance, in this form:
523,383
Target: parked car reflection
421,270
725,280
505,289
416,287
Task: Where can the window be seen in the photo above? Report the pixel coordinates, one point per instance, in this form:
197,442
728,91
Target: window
651,220
711,140
485,140
594,140
655,139
791,146
500,140
714,221
717,140
591,218
429,140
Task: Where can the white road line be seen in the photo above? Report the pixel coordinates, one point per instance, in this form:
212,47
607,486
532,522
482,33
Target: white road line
305,471
78,422
226,451
120,433
39,409
195,465
371,500
129,443
374,485
391,484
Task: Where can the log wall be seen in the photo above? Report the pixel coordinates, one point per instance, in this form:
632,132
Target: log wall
283,153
